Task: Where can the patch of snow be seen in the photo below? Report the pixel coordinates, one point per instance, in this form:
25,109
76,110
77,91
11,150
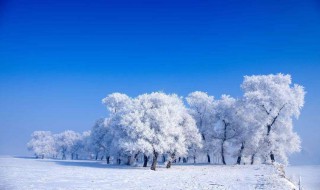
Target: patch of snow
22,173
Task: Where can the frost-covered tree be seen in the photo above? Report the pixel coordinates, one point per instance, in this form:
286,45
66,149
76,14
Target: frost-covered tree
65,142
77,146
42,144
278,101
85,148
249,133
201,108
118,105
226,126
192,135
164,118
117,102
151,124
98,142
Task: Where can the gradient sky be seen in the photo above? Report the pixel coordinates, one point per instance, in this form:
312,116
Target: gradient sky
59,58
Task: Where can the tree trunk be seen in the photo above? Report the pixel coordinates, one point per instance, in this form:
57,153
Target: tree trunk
269,129
108,159
223,140
163,158
63,156
169,164
222,153
252,159
272,157
96,156
145,160
194,159
129,160
240,154
155,160
208,157
136,155
135,158
184,160
170,160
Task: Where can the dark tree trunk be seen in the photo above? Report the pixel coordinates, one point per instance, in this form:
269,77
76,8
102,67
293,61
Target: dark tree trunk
72,155
240,154
136,156
155,160
129,160
172,157
272,157
119,161
184,160
108,159
145,160
252,159
169,164
179,159
163,158
194,159
208,157
63,156
223,140
96,156
269,128
222,154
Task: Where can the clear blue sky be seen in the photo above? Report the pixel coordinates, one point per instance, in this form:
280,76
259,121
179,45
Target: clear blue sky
59,58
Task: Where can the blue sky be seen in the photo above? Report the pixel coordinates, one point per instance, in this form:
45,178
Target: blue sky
58,59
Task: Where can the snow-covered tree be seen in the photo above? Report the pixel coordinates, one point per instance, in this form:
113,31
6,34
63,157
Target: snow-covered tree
117,102
42,144
151,124
77,146
66,141
98,139
164,118
118,105
226,126
192,135
85,147
278,101
248,131
201,108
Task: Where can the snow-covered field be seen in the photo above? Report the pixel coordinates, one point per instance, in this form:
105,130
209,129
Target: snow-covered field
24,173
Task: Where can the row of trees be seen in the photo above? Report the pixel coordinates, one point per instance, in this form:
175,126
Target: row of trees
45,144
256,128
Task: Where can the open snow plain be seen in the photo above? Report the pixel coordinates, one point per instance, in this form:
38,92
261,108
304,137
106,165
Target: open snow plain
24,173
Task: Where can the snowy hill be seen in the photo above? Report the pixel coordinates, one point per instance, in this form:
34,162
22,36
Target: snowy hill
23,173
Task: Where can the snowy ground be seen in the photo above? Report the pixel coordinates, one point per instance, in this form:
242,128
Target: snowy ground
23,173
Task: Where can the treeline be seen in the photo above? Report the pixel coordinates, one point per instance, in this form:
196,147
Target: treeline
256,128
